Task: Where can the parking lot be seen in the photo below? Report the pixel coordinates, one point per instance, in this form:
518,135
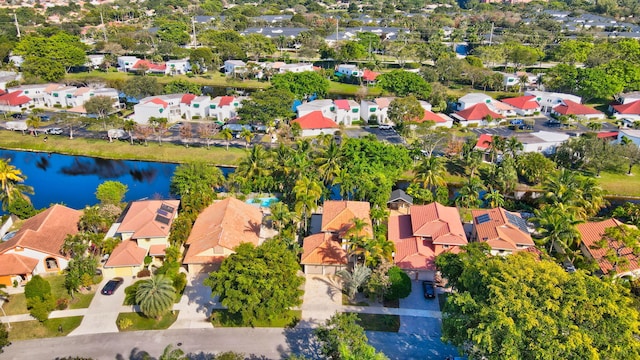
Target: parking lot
541,125
390,136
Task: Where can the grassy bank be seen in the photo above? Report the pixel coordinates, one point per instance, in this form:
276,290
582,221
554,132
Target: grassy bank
121,150
26,330
222,318
141,322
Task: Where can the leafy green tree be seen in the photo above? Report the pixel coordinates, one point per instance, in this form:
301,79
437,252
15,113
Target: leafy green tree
174,32
404,111
11,184
101,106
195,184
523,55
79,269
351,50
341,336
21,208
534,167
155,296
557,226
352,280
301,84
258,283
403,83
181,86
4,337
258,45
400,284
620,243
595,83
171,353
40,300
493,314
572,51
44,69
227,135
63,49
307,193
266,106
494,199
111,192
203,59
142,86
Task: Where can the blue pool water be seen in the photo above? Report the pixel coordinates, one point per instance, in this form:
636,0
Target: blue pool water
264,202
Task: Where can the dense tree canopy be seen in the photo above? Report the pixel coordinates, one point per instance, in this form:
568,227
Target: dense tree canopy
403,83
302,84
266,106
195,183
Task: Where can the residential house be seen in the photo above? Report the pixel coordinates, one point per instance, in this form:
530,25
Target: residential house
510,80
95,60
593,247
571,108
524,105
326,106
504,231
295,68
126,63
17,60
195,107
224,108
349,70
38,93
545,142
376,110
548,100
347,111
631,134
7,77
399,200
325,252
218,230
472,99
369,77
160,106
628,111
144,230
627,98
314,124
149,67
14,101
426,232
476,114
35,247
233,67
177,67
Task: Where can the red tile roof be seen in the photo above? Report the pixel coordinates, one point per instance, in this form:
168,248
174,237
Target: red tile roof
484,141
315,120
499,232
431,116
342,104
127,253
632,108
478,112
157,250
187,98
159,101
151,66
226,100
440,223
607,134
46,231
141,218
523,102
14,264
337,216
569,107
369,75
223,225
323,249
14,98
592,232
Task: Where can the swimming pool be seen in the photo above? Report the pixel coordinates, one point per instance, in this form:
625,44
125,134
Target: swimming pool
264,202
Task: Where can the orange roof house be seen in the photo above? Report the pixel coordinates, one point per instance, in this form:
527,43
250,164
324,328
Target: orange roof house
218,230
126,254
631,108
338,215
568,107
425,233
323,249
506,232
39,239
594,232
523,102
477,112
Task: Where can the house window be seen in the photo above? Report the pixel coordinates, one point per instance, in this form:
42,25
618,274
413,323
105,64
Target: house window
212,106
333,108
51,263
487,101
372,109
69,96
26,92
511,80
55,94
160,110
235,104
355,110
196,105
445,246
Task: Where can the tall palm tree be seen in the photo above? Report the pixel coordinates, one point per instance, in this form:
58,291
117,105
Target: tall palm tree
247,135
472,161
594,126
129,126
156,296
329,162
307,193
560,187
280,215
356,237
430,172
227,135
512,146
347,183
34,122
494,199
255,166
469,194
351,281
557,225
496,147
378,250
592,196
11,184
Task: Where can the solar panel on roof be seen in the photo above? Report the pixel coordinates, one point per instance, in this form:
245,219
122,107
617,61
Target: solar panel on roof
517,221
162,212
162,219
167,208
483,218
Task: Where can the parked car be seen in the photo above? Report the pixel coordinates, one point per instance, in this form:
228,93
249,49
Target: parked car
385,127
16,116
53,131
429,289
517,122
112,285
45,117
553,123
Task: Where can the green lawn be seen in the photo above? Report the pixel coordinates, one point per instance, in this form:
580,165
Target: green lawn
377,322
16,305
621,184
346,301
120,149
222,318
26,330
141,322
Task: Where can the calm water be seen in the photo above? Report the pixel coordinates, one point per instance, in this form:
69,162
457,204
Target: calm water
72,180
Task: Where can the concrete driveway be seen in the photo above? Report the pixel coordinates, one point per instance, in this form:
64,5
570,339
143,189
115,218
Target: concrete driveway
322,299
417,325
103,311
195,306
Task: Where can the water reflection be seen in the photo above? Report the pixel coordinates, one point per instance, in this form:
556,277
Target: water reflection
43,163
103,168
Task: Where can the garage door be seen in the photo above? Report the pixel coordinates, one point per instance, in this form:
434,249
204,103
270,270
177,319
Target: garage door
124,271
426,275
313,269
5,280
195,269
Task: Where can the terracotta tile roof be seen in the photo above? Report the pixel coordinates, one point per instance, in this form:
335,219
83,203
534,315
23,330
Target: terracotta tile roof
151,66
127,253
523,102
315,120
632,108
440,223
501,229
157,250
337,216
14,98
569,107
431,116
478,112
226,100
323,249
14,264
369,75
82,90
78,109
484,141
607,134
46,231
145,218
382,102
187,98
224,224
159,101
592,232
342,104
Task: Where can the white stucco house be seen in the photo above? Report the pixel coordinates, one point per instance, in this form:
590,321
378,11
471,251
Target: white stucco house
471,99
178,67
325,106
314,124
549,100
545,142
232,67
631,134
126,63
295,68
224,108
349,70
376,109
160,106
347,111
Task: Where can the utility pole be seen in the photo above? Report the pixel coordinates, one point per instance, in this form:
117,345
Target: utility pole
15,18
491,35
104,28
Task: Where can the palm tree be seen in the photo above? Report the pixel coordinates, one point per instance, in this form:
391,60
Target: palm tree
280,215
523,80
329,162
472,161
430,172
227,135
512,146
351,281
247,135
560,187
11,187
594,126
469,194
378,250
159,126
129,126
254,166
347,183
356,237
171,353
156,296
34,123
592,197
557,225
307,193
496,147
494,199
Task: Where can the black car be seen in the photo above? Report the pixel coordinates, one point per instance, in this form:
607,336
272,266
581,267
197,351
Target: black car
553,123
16,116
112,285
429,289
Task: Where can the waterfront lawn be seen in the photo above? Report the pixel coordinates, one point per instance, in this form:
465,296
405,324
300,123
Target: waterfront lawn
222,318
166,152
621,184
26,330
141,322
378,322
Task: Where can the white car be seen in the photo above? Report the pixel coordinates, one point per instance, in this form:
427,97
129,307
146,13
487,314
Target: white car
53,131
385,127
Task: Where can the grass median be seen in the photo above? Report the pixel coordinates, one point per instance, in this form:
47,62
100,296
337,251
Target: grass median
222,318
26,330
121,150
